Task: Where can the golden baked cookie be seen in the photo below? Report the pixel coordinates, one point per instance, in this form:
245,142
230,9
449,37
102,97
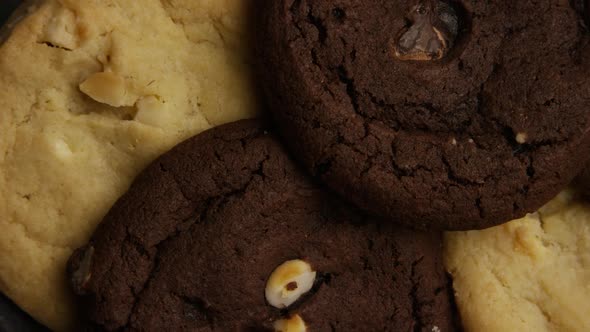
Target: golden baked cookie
90,93
531,274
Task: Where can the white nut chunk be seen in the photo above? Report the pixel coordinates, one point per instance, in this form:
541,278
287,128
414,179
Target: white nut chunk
107,88
82,275
521,138
288,282
151,111
292,324
61,30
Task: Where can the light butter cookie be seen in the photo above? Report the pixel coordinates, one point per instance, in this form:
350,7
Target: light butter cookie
90,93
532,274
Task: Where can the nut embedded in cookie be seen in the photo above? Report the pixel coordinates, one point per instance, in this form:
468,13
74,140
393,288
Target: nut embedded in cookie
288,282
521,137
432,33
82,274
292,324
105,87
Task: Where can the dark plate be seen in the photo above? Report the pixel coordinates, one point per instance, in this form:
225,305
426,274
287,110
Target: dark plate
12,319
6,8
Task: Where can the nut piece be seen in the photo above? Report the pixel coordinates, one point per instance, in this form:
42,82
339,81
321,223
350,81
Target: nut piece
61,30
62,149
288,282
106,88
521,138
151,111
432,33
81,276
292,324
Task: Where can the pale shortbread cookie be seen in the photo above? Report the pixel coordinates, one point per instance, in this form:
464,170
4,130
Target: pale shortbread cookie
91,91
532,274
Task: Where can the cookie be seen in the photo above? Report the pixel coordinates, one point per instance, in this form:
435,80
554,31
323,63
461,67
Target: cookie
440,114
530,274
90,93
224,233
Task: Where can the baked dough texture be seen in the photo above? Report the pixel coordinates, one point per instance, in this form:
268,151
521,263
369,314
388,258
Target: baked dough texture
195,243
91,91
531,274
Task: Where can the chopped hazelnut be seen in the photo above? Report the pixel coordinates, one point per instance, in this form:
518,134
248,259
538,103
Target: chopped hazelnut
288,282
521,138
432,33
81,276
105,87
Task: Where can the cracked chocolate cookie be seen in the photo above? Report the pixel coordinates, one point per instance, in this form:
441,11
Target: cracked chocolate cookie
440,114
224,233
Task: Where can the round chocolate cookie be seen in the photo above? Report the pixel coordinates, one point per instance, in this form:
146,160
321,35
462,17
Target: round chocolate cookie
224,233
440,114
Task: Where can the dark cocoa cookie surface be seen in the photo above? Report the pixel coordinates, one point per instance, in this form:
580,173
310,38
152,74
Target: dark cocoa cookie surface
452,115
193,244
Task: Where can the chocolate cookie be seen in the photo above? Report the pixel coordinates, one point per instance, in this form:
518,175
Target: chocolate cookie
224,233
441,114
